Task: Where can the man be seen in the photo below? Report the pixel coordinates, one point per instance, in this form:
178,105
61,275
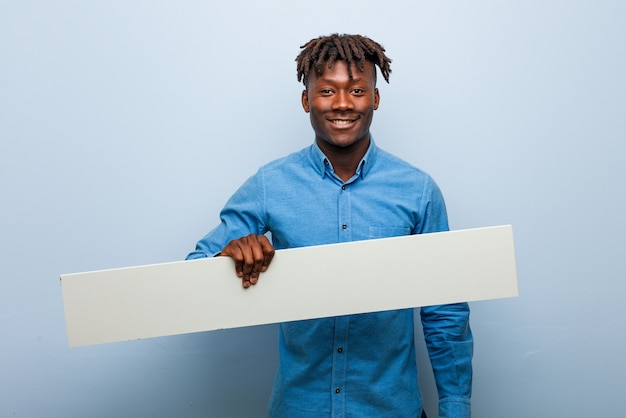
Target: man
344,188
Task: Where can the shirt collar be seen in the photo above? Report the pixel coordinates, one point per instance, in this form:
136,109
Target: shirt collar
321,163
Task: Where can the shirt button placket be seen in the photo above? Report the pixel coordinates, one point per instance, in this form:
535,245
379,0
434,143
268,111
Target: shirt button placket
343,203
340,366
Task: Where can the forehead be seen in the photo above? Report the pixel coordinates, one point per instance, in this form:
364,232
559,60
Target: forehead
338,70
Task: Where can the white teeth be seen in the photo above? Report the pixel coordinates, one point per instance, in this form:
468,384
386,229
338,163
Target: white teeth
341,122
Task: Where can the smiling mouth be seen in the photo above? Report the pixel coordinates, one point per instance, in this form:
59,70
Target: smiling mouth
342,121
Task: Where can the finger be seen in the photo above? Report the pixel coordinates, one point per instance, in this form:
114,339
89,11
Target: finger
245,271
246,246
235,252
256,244
259,259
245,282
268,253
253,258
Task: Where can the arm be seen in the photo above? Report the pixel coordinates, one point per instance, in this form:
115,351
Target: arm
450,347
446,329
240,233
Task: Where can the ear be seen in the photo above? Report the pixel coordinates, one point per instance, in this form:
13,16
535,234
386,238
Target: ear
305,101
376,98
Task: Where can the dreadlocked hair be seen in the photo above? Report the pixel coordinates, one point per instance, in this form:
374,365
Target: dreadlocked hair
355,49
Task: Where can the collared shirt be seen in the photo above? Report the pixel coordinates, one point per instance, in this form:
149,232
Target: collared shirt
357,365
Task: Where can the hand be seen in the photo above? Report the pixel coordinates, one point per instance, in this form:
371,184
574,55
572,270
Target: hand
252,256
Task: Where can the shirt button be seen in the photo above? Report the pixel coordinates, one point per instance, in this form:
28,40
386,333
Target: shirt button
343,187
337,390
344,226
340,350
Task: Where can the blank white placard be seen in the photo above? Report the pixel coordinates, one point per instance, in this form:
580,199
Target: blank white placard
301,283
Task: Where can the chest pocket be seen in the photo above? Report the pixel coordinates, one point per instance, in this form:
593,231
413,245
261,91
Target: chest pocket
388,231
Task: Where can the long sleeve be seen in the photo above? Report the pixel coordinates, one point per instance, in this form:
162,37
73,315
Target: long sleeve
450,347
447,332
243,214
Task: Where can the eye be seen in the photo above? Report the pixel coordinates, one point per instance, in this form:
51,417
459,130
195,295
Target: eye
326,91
358,91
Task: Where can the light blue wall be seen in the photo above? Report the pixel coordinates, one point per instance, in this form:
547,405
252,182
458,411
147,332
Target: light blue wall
124,126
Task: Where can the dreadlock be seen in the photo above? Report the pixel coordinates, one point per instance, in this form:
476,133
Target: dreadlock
355,49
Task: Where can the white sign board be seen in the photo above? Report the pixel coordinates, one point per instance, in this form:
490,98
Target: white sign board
301,283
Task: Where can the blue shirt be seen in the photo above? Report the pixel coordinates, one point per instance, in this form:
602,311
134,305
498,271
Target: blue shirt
357,365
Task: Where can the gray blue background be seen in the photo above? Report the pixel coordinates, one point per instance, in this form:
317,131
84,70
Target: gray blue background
125,125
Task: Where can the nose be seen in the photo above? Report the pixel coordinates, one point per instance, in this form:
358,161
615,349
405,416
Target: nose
342,101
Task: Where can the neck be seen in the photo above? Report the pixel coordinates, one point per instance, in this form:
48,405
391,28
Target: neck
345,160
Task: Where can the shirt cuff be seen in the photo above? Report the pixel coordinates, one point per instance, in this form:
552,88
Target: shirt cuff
454,408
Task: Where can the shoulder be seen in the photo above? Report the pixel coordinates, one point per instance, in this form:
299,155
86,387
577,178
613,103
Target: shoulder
294,160
392,164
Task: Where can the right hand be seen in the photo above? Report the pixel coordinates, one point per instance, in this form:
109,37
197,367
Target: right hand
252,255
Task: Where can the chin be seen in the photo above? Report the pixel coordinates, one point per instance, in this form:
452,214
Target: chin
341,144
345,142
